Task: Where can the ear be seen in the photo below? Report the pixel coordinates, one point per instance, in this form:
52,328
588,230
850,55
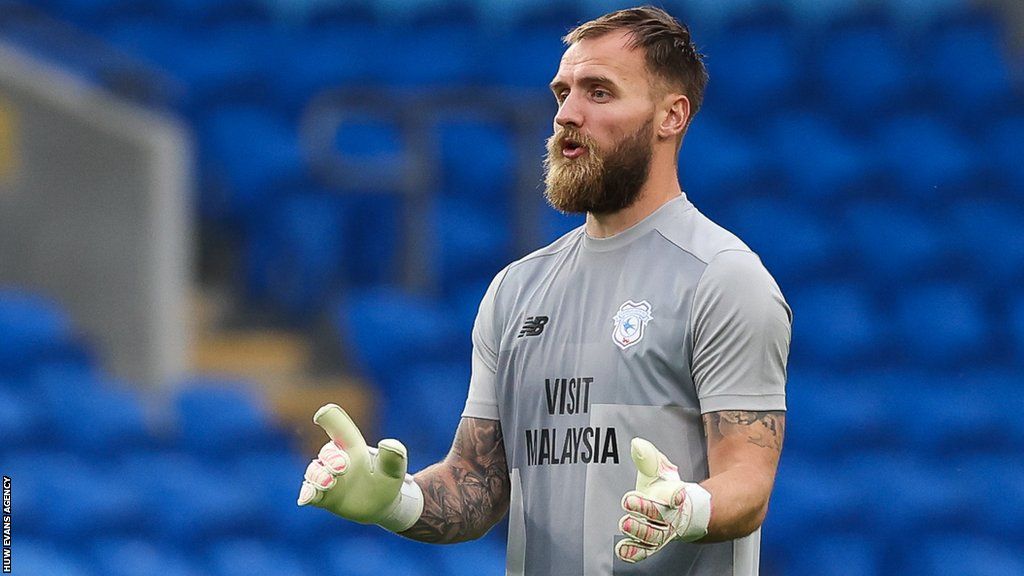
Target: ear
676,109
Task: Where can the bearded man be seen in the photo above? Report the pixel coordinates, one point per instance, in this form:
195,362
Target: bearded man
649,329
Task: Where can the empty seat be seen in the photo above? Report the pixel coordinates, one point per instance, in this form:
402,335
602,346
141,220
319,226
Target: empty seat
863,70
837,324
718,163
381,553
942,324
794,243
34,328
385,329
472,243
132,556
1015,322
892,241
818,160
985,234
527,59
221,418
338,55
479,558
926,157
965,554
1001,149
975,47
759,58
434,55
20,420
46,557
437,389
838,555
477,162
256,558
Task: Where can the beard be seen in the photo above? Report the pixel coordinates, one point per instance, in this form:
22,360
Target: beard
595,182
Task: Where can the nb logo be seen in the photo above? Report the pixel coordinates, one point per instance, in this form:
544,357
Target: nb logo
533,326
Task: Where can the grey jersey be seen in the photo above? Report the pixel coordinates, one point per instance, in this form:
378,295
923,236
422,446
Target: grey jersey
586,343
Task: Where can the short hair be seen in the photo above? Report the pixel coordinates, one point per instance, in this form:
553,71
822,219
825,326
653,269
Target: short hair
669,51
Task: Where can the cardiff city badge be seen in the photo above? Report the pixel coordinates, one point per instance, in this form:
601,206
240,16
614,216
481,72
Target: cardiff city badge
630,321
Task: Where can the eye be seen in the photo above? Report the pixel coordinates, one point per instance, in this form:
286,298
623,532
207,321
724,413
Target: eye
600,94
561,95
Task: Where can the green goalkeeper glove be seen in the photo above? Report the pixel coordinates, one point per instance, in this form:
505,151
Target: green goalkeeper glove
354,481
662,508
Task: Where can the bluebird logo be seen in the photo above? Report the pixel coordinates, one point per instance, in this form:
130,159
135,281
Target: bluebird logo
630,321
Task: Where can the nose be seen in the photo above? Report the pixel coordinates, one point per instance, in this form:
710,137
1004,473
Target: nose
569,113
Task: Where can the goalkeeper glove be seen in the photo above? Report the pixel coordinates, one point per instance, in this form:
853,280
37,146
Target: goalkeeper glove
366,485
662,508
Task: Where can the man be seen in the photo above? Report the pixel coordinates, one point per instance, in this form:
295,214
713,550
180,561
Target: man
649,338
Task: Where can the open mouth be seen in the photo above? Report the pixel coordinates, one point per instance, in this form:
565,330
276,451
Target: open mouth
572,149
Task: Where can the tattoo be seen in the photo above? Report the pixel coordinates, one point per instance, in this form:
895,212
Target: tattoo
468,492
763,429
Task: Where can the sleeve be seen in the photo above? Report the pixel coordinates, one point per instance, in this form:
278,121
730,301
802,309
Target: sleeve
741,332
482,400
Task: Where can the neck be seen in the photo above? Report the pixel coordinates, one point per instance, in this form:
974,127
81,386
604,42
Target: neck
661,186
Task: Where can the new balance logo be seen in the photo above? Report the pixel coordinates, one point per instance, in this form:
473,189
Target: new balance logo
533,326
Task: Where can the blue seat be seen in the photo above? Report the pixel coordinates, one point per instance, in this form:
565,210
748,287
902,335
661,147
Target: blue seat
794,243
385,329
891,241
959,413
34,329
985,235
926,157
295,257
838,555
380,553
863,70
44,556
212,12
338,55
942,324
555,224
758,58
812,15
249,154
255,558
996,495
974,46
804,499
425,408
1000,149
114,414
480,558
837,324
965,554
472,243
435,55
220,418
1015,323
818,160
913,15
132,556
477,161
527,59
718,164
195,502
20,420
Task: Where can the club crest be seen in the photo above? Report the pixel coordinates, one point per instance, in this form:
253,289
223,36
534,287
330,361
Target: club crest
630,321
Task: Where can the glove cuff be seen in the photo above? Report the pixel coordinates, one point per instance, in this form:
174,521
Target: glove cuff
406,509
700,512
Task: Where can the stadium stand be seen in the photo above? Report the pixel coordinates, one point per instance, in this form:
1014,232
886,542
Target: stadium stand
870,152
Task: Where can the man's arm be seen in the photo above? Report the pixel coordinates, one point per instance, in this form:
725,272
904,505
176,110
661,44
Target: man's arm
743,455
468,492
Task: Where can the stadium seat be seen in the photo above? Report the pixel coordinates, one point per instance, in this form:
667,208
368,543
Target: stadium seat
758,57
115,415
863,71
527,59
483,558
891,241
964,554
434,55
1000,149
839,555
942,324
34,328
133,556
974,46
49,557
837,324
794,243
819,161
381,553
249,154
958,414
471,244
256,558
996,494
425,409
385,329
985,234
20,419
807,496
926,157
295,257
337,55
477,161
719,164
220,418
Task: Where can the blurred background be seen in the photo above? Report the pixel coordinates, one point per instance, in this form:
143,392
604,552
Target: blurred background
217,215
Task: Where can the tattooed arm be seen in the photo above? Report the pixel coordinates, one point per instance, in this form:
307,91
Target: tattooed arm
743,454
467,493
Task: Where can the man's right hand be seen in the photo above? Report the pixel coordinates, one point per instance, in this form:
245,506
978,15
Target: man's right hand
366,485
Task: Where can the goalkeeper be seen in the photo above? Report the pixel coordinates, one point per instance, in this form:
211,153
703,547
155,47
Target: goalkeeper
626,404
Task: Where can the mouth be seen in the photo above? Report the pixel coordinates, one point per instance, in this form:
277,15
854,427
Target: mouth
573,149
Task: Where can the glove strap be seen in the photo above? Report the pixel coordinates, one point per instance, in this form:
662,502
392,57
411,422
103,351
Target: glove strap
700,512
406,509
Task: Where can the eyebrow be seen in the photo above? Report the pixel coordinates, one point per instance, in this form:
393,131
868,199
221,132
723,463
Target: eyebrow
586,80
